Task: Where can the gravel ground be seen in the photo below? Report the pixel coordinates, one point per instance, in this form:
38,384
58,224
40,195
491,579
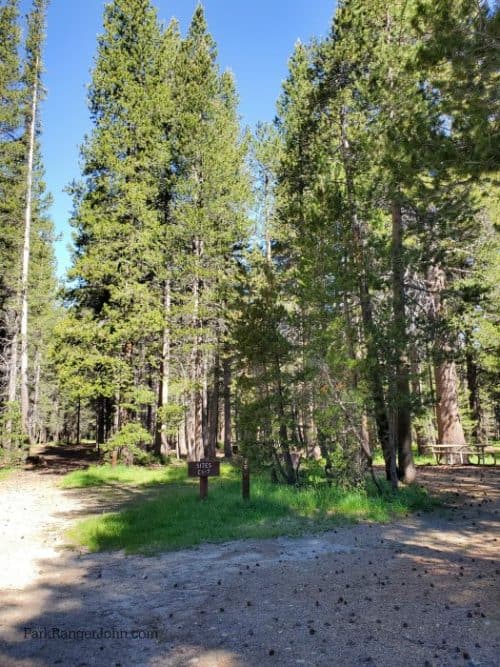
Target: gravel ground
422,591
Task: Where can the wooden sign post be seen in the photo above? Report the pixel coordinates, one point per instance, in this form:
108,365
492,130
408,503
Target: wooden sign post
203,469
245,479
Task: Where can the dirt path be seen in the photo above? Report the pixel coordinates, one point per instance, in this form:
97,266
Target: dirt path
423,591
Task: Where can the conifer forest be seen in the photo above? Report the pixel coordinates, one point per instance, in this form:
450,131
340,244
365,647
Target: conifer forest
322,288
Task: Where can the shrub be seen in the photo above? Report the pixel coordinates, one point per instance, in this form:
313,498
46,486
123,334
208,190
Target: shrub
128,443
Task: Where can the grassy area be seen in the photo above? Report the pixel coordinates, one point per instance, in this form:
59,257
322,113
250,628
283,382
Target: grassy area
5,472
420,460
120,474
176,518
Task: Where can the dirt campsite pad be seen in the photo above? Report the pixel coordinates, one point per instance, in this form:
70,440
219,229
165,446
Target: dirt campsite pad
422,591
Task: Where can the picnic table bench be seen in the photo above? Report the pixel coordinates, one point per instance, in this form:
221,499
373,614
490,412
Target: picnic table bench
464,452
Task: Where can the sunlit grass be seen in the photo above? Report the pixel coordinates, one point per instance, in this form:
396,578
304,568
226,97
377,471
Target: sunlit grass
176,518
5,472
120,474
419,459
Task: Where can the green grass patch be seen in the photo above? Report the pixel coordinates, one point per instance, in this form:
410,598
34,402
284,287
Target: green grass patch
120,474
418,459
5,472
176,518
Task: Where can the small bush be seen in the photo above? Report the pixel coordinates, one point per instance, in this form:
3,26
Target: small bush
128,443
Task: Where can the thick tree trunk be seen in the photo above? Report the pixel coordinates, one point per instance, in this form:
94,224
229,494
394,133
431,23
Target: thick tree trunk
26,254
406,467
450,431
226,379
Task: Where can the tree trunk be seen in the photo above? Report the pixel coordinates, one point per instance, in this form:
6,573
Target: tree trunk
354,344
194,423
78,416
406,467
450,431
213,410
161,444
290,472
26,253
226,379
101,422
12,387
35,425
13,368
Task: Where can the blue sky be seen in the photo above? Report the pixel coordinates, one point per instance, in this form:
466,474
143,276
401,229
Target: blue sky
255,39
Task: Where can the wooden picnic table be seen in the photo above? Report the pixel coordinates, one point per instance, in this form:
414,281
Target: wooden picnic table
464,451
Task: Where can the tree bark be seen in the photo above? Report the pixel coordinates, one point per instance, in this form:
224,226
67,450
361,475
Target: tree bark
195,441
406,467
13,368
35,425
450,429
449,426
161,444
26,252
213,409
101,422
78,416
12,386
290,472
226,379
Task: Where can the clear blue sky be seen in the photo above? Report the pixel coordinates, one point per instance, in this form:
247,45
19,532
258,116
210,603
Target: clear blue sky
255,39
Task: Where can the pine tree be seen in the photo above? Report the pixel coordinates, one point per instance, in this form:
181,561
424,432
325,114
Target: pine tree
11,194
208,211
44,312
32,81
118,255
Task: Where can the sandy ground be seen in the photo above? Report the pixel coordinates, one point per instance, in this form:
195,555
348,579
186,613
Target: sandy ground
422,591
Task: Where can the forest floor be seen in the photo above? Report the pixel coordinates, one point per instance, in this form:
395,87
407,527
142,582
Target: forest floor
424,590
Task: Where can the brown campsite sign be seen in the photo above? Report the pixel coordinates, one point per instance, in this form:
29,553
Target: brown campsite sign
203,469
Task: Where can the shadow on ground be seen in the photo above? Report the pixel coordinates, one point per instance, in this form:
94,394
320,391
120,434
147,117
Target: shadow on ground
61,459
